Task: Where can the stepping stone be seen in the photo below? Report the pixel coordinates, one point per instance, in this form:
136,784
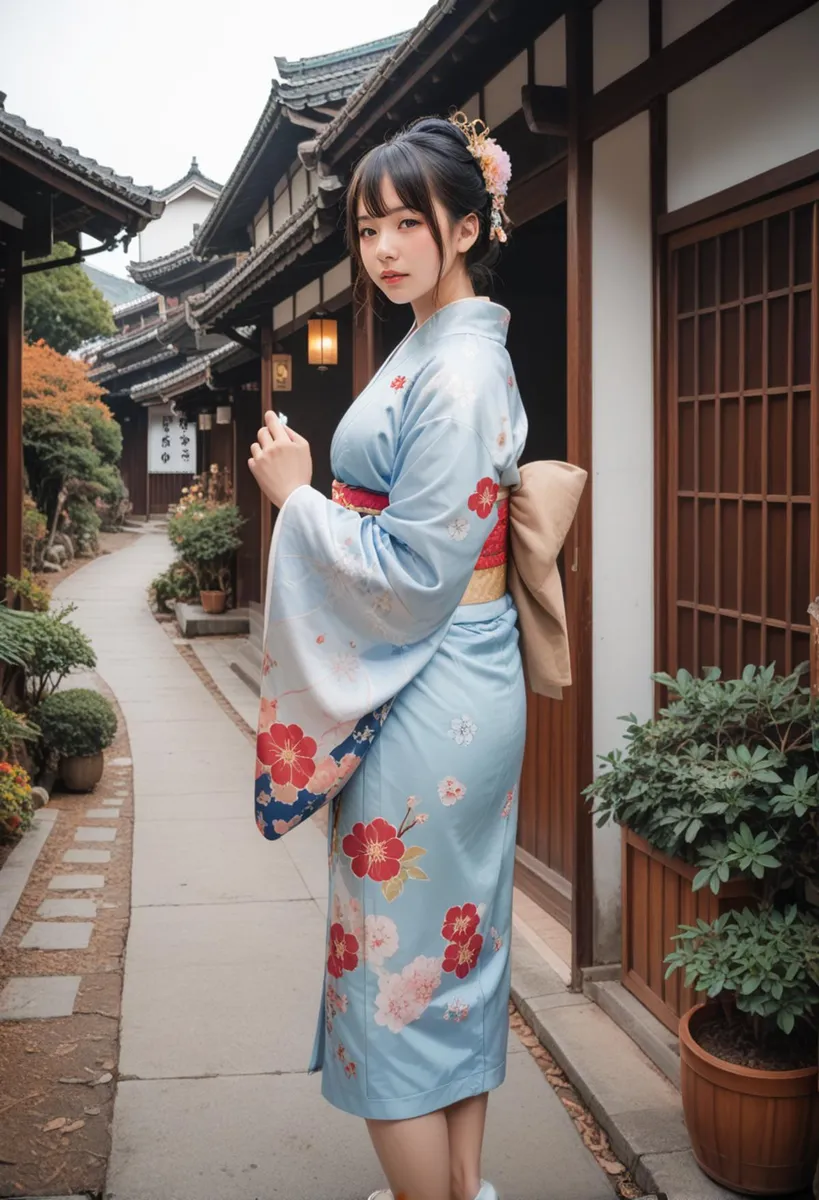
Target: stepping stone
76,883
88,833
102,814
49,909
87,856
39,997
120,762
58,935
114,802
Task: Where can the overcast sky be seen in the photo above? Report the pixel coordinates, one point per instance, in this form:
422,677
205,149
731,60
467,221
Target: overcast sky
142,87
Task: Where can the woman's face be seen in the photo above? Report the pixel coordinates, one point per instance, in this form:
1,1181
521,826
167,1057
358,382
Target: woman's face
399,252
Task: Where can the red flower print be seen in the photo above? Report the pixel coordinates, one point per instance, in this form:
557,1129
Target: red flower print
511,380
349,1070
482,500
288,754
343,955
341,1053
460,923
398,382
375,850
461,957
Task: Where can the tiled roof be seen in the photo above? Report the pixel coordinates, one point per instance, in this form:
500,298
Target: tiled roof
123,342
191,372
291,238
375,80
153,267
68,161
193,176
147,300
306,83
100,374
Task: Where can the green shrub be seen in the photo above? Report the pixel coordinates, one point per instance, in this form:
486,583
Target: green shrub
83,524
205,536
16,809
56,647
27,588
77,721
177,583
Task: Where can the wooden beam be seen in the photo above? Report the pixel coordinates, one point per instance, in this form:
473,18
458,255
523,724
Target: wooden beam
266,393
579,450
546,109
11,403
539,193
727,32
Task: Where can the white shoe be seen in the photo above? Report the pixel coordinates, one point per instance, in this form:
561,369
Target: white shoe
487,1192
382,1194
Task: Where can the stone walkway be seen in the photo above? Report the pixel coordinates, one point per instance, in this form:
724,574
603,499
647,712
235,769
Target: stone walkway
224,960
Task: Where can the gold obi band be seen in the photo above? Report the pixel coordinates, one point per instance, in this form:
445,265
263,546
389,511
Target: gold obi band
488,580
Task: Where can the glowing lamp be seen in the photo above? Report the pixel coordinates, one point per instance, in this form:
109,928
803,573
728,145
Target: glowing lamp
322,343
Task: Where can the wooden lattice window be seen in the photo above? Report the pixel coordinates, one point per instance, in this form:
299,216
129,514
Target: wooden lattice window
742,438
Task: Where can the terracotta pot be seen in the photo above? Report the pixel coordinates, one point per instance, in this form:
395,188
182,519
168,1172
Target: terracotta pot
82,772
754,1131
213,602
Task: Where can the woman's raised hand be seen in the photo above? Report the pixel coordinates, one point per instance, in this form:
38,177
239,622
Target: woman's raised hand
280,460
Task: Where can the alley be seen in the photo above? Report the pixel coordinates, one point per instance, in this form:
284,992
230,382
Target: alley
224,960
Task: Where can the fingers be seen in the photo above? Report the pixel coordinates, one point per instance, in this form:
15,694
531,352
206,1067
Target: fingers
264,438
274,425
255,452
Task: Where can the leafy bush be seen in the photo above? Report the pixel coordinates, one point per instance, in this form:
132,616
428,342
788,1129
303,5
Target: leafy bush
16,809
35,531
27,588
726,778
56,647
767,961
77,721
205,536
83,525
14,729
177,583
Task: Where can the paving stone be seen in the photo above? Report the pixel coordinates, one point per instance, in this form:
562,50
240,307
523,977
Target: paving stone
49,909
20,863
102,814
98,833
87,856
76,883
58,935
39,997
119,762
114,801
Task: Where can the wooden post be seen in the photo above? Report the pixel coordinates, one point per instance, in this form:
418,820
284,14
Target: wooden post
363,348
579,451
266,395
11,403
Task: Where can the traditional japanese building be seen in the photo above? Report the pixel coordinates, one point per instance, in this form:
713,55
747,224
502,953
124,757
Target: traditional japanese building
48,191
662,279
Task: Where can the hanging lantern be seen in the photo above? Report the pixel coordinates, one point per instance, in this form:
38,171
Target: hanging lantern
205,421
224,414
322,343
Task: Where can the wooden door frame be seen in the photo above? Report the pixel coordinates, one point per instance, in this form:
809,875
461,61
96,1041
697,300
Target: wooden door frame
11,412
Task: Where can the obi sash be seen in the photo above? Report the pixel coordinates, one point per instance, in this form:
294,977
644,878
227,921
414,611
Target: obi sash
488,580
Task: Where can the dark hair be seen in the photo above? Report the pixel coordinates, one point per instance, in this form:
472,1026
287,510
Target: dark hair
430,157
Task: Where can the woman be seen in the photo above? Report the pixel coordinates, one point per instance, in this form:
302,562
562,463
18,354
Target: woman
392,670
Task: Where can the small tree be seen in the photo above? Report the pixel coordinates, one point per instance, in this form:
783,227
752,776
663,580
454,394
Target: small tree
62,306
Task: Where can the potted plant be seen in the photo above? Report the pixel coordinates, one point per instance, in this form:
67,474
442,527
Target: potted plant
205,536
726,780
177,583
31,596
77,724
16,808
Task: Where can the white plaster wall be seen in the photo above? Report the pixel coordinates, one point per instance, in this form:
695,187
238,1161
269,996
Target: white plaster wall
754,111
261,231
501,95
308,298
281,209
550,56
174,228
623,465
681,15
337,279
283,313
298,188
620,39
472,107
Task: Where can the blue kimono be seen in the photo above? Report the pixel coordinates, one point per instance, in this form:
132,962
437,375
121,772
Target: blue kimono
392,688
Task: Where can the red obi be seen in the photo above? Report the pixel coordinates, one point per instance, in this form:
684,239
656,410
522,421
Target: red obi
494,552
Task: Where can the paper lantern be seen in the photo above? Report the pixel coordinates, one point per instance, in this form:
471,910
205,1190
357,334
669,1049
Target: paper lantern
205,420
322,343
224,414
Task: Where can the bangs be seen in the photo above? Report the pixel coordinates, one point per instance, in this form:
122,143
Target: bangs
397,162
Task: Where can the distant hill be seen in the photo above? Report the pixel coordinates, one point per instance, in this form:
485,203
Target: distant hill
115,289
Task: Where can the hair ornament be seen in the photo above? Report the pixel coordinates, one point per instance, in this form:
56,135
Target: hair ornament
495,165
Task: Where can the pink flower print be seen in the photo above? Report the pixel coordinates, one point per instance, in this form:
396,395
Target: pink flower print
260,823
398,383
346,767
285,793
323,777
403,998
501,438
482,500
460,923
497,940
422,819
350,1070
341,1053
267,712
343,953
462,957
507,806
510,380
320,639
281,827
456,1010
451,790
267,663
336,1002
380,939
